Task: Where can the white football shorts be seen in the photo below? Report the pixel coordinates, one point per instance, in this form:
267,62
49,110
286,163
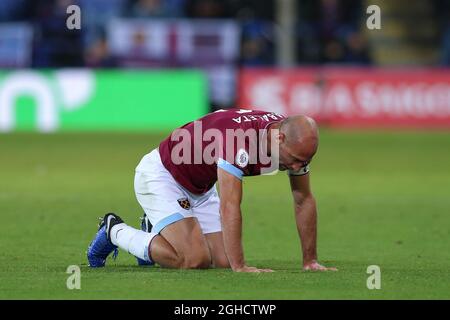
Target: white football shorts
164,201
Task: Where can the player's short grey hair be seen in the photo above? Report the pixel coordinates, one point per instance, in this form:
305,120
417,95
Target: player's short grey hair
287,127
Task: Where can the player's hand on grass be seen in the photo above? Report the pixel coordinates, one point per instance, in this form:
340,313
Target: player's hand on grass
315,266
251,269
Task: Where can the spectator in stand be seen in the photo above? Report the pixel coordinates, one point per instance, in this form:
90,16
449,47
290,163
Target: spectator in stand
357,50
96,14
445,55
97,55
257,45
207,9
442,12
55,44
329,32
13,10
156,9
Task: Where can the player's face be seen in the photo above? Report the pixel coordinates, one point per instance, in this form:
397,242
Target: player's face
289,160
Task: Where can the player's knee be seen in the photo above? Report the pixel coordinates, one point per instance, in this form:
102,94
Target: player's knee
198,262
221,262
176,261
198,259
195,258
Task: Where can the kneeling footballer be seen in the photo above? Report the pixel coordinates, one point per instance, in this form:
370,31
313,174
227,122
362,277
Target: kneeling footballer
189,225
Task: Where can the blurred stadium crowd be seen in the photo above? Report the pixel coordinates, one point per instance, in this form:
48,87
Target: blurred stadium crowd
327,30
219,36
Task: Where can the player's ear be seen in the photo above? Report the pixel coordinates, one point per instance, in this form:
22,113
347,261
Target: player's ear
281,137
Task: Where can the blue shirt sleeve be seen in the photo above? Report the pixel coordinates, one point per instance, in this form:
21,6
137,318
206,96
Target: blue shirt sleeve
228,167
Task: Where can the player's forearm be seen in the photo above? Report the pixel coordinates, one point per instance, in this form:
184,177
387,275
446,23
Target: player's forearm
232,235
306,218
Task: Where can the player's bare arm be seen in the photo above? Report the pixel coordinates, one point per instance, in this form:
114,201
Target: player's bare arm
306,219
230,210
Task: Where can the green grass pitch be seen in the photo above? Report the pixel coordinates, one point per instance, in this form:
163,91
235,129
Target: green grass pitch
383,199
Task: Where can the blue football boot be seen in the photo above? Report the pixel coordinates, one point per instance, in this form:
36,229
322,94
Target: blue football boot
101,246
147,227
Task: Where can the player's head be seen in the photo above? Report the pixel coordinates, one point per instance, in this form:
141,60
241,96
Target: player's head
298,142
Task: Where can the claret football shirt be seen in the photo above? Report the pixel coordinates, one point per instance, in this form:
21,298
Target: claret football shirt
233,140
